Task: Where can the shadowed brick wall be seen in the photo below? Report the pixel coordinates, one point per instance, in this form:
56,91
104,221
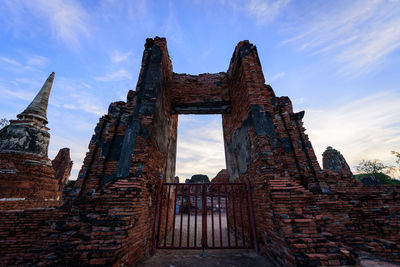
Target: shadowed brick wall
303,215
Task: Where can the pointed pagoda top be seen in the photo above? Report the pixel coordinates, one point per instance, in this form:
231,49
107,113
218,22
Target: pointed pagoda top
38,107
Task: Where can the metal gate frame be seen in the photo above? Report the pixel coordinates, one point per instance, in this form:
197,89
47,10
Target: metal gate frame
204,191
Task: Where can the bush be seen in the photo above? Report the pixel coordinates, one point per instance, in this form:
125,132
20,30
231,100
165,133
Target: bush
385,179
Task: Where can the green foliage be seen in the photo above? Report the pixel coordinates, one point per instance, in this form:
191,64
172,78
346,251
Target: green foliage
372,167
397,154
384,178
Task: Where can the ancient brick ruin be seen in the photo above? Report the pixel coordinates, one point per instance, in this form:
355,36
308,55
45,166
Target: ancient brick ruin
303,215
27,176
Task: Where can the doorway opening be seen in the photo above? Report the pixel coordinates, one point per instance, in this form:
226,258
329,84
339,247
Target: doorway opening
204,216
212,214
200,146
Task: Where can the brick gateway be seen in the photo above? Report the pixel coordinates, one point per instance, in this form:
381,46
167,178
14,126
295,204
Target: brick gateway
303,215
217,216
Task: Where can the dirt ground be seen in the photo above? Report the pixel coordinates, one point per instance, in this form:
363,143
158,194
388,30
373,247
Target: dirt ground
217,232
219,257
209,258
225,257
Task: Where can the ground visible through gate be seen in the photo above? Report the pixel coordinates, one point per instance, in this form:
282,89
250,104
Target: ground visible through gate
217,236
210,258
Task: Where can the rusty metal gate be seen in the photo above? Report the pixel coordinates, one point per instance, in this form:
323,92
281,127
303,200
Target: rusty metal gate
204,216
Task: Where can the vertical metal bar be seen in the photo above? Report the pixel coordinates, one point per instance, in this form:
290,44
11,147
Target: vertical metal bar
160,215
188,224
181,211
248,218
156,219
173,223
204,206
227,215
212,217
241,214
195,217
166,220
234,213
219,211
253,225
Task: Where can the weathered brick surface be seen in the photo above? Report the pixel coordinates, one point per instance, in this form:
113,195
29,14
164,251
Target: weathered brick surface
303,215
30,177
62,164
221,177
333,160
27,176
199,94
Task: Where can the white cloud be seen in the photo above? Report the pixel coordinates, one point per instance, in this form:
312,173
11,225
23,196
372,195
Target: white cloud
358,36
37,61
30,64
172,28
72,95
276,76
118,56
200,146
68,21
24,95
119,75
366,128
266,11
10,61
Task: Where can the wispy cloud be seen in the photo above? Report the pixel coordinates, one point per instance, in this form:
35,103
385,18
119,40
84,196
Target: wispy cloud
73,95
133,10
10,61
200,146
366,128
30,63
119,75
118,56
172,28
20,94
276,76
37,61
265,11
358,35
66,20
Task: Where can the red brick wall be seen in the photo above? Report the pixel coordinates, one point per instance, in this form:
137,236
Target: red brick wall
31,178
303,216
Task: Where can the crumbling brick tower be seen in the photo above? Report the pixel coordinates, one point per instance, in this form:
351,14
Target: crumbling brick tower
26,172
303,215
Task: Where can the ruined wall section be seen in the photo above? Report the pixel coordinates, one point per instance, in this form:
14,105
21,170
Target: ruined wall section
62,164
333,160
101,162
299,158
109,212
199,94
246,149
26,172
265,143
29,237
278,140
133,147
27,177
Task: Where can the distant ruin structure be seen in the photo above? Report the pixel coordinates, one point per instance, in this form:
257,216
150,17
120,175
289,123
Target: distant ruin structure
26,172
333,160
304,215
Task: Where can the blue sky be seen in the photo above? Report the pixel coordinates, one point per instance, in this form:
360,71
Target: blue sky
337,60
